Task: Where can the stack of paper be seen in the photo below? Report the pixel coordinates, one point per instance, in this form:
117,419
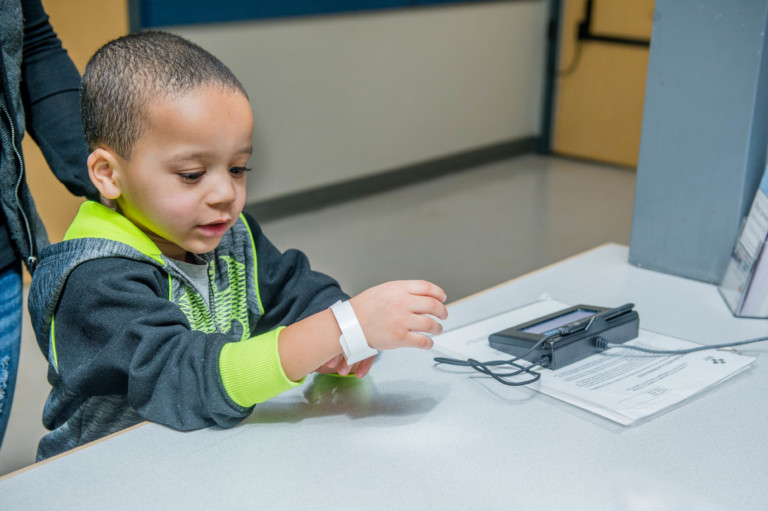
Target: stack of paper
622,385
745,284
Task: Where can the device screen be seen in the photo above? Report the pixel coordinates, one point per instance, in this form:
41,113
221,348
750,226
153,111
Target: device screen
565,319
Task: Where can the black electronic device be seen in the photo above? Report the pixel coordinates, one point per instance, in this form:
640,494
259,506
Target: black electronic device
569,335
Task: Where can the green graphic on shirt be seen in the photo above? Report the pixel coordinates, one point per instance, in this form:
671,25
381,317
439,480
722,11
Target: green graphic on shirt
196,311
230,305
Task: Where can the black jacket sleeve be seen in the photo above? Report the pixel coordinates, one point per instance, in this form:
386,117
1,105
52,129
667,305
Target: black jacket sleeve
290,290
50,88
117,333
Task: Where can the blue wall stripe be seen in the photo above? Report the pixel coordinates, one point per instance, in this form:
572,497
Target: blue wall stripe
163,13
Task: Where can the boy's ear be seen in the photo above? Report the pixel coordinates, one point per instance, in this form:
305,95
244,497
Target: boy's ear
102,167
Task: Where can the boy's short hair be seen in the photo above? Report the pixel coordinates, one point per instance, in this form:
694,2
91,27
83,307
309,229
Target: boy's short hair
126,74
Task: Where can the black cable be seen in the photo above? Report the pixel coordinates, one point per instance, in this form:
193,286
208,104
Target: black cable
602,344
484,367
575,60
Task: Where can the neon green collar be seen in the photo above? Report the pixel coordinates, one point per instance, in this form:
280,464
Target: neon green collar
95,220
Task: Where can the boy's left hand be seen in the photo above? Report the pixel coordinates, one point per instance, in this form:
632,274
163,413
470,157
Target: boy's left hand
338,365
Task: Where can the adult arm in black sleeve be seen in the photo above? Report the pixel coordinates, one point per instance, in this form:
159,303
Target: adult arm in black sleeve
290,290
117,333
50,88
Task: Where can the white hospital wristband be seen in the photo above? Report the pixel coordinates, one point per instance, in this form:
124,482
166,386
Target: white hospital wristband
352,339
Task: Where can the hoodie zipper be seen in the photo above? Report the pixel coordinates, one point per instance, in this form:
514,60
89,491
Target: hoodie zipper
32,258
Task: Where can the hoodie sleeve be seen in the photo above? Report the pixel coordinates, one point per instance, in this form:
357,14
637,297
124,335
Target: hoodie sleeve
116,332
289,289
51,90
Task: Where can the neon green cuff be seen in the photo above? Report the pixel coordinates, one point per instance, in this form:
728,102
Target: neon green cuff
251,370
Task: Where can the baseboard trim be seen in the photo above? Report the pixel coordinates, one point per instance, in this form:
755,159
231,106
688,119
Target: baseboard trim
323,196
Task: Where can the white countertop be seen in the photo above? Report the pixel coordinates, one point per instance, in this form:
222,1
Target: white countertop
412,435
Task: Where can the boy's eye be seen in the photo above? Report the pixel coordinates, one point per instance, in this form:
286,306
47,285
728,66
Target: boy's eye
238,170
191,177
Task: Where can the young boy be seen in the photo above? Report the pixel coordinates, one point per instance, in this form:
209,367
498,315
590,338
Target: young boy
174,307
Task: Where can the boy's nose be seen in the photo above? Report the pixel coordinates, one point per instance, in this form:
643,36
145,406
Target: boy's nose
223,191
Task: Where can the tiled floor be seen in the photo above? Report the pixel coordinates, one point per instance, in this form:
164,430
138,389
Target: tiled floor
468,231
465,232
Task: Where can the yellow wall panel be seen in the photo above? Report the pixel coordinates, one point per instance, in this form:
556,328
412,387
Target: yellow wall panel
601,85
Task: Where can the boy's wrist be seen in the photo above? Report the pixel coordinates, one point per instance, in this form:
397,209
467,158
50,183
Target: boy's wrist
353,343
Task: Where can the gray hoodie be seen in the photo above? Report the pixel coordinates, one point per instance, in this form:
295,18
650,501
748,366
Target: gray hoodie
129,336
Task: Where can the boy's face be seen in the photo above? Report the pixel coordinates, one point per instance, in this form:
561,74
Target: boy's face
184,184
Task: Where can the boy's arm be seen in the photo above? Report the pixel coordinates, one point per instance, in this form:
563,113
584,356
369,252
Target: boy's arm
391,315
116,332
291,291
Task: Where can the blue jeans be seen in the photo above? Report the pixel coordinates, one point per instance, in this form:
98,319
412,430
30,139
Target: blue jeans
10,338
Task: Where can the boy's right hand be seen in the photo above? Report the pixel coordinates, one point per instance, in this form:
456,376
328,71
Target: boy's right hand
394,314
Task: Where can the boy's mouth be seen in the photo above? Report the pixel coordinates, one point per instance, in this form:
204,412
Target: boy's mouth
214,229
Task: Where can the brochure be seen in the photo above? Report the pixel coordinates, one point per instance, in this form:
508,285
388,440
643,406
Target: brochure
745,284
624,386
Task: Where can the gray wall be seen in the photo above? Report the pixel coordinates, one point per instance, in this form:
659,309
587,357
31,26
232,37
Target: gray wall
341,97
703,142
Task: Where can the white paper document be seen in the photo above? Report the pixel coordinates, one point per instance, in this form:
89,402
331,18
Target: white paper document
745,283
622,385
